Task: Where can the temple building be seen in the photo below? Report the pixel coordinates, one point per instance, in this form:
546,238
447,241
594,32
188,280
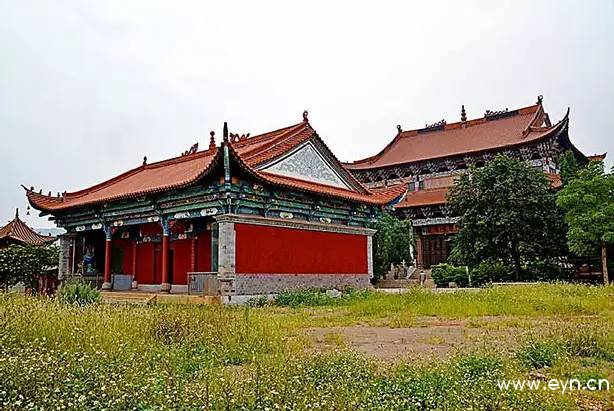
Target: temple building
252,215
429,159
16,232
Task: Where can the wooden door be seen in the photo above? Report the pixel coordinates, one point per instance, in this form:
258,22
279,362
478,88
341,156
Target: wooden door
435,250
157,277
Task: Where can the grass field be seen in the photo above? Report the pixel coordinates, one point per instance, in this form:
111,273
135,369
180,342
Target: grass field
419,350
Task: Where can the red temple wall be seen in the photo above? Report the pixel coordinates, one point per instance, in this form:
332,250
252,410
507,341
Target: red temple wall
157,271
264,249
203,252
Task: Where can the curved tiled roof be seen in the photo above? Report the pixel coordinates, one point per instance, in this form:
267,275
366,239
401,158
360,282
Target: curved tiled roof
148,178
186,170
487,133
424,197
379,197
16,230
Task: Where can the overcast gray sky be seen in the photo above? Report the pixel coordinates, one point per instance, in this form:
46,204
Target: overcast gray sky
87,88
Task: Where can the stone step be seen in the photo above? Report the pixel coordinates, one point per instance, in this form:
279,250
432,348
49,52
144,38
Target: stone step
140,298
114,297
392,283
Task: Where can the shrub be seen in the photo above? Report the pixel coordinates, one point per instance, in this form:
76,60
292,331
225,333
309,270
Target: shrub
543,270
78,293
491,271
445,273
318,297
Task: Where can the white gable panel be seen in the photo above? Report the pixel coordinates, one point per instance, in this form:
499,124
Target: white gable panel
306,163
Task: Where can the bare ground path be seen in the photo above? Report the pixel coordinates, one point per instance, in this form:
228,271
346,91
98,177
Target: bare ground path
432,337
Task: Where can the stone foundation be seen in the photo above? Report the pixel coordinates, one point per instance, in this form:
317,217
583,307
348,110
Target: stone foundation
251,284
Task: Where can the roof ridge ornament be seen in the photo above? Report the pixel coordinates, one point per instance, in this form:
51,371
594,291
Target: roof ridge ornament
399,129
305,116
439,123
225,132
212,139
17,213
540,99
144,160
234,137
463,114
492,113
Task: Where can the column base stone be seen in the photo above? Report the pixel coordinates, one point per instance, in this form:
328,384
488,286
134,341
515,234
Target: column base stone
165,288
107,286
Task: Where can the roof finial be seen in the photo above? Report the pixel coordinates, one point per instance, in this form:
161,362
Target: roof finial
225,134
144,160
212,139
399,129
305,118
463,114
17,212
540,98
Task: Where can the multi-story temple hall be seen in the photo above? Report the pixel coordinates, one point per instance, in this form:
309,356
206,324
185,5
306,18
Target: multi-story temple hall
258,214
429,159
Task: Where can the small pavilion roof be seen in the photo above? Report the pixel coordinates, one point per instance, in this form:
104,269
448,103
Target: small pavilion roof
250,152
421,198
597,157
18,231
435,196
494,131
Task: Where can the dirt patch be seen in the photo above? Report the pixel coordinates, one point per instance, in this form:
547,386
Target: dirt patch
438,340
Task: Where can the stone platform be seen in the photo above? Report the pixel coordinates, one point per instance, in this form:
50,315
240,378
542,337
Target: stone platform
144,298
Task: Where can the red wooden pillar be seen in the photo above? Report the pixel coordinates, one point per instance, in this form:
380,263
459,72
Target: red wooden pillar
106,284
134,258
193,256
165,287
419,252
134,283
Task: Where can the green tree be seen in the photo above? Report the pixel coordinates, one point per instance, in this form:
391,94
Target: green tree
569,167
391,243
588,201
24,263
507,213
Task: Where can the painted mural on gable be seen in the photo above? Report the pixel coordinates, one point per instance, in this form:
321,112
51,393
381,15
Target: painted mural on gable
306,163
